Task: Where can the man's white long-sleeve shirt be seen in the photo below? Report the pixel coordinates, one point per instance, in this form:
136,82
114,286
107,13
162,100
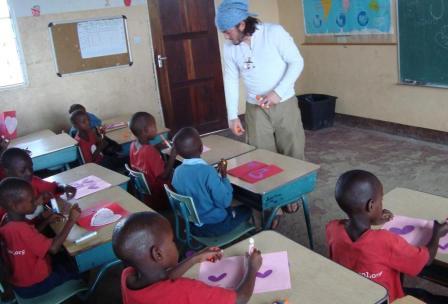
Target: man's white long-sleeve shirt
277,64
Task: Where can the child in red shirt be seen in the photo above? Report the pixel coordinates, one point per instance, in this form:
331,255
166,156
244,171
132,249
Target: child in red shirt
375,254
18,163
92,144
26,250
145,158
145,241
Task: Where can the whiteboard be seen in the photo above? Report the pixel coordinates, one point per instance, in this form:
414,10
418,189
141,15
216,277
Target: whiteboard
99,38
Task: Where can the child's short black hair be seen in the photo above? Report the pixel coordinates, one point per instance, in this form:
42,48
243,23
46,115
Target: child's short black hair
12,191
75,115
11,155
355,188
135,235
139,121
187,142
76,107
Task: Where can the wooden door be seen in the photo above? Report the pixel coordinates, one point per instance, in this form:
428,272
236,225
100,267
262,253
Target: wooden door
188,64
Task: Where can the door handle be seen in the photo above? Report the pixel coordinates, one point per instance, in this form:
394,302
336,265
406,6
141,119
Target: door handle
160,60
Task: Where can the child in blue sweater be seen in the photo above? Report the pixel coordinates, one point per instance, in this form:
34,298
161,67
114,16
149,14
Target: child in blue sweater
211,190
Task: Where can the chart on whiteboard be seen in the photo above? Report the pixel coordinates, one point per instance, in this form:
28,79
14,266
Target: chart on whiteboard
102,38
351,17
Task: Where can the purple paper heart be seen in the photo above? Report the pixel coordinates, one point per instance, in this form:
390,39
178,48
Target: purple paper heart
265,274
218,278
405,230
93,187
443,247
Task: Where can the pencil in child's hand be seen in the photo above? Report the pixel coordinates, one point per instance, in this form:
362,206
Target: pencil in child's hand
165,141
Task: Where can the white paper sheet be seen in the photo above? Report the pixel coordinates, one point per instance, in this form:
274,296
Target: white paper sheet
102,38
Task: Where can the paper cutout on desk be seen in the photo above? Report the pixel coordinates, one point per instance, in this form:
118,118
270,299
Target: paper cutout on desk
115,126
89,185
415,231
255,171
103,214
8,124
246,168
228,272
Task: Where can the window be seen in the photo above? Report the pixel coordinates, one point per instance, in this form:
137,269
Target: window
12,71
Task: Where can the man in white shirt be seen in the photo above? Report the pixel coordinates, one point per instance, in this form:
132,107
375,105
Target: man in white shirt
269,62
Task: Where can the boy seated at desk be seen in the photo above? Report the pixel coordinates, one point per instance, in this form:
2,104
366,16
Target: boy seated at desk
25,252
145,242
93,144
145,158
94,121
18,163
211,190
378,255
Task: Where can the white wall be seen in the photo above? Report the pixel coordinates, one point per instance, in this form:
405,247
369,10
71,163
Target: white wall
45,101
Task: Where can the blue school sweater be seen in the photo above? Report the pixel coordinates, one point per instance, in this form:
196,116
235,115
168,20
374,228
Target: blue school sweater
211,193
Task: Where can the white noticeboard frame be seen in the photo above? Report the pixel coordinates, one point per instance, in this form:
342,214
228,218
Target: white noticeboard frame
98,37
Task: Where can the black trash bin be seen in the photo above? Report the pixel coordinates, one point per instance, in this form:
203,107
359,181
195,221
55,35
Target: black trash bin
317,110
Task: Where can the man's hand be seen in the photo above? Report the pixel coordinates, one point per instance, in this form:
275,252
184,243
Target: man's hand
269,100
236,127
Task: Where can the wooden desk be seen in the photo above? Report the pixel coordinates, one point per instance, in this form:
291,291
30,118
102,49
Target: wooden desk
416,204
314,278
31,137
98,250
408,300
293,184
220,147
422,205
124,136
51,151
72,175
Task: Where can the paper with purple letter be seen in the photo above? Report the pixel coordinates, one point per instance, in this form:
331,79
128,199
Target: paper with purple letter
89,185
228,272
417,232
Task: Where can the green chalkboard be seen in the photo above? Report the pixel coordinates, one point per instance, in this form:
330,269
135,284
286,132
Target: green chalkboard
423,42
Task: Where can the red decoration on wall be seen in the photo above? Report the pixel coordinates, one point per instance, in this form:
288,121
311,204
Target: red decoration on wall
35,10
127,2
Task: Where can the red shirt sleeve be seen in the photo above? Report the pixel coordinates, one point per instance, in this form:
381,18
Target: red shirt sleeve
40,186
37,243
405,257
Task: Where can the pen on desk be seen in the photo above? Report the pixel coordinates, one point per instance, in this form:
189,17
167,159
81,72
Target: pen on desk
85,237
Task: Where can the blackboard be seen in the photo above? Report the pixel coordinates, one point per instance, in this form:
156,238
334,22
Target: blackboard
423,42
70,53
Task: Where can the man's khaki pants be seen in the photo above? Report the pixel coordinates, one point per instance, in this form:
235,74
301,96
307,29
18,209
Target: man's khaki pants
278,129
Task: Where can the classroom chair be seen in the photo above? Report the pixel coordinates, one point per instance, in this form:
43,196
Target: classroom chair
68,289
139,182
57,295
184,210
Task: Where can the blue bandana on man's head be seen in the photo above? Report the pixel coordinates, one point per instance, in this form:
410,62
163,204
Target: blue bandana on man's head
230,13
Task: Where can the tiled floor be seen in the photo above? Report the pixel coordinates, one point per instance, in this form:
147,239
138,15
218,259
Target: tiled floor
397,161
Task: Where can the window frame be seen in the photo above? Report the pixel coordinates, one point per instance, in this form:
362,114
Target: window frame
23,64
